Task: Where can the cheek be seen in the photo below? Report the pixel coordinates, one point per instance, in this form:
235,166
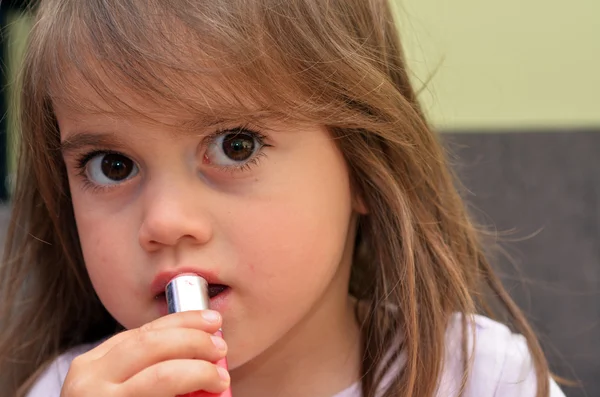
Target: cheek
110,262
290,242
103,237
106,231
295,241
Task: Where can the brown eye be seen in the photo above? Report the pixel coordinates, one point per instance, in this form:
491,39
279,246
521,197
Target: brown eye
116,167
234,148
238,147
110,168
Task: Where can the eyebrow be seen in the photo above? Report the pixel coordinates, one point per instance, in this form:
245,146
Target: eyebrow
80,140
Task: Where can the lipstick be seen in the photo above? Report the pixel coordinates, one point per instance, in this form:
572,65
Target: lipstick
187,292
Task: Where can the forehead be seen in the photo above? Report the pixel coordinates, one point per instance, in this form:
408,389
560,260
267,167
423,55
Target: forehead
93,87
79,99
154,66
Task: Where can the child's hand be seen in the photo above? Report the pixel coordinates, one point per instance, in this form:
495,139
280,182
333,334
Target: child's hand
170,356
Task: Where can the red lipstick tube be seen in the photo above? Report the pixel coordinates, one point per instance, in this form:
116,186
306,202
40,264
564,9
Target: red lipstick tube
190,292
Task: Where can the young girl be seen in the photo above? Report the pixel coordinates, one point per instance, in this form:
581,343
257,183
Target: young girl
275,148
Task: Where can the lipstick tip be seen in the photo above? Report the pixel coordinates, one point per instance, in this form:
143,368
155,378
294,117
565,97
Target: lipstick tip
187,292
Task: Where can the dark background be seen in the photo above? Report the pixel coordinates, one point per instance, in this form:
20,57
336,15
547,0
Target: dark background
543,190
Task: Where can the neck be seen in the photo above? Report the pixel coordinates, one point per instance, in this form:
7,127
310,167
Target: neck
319,357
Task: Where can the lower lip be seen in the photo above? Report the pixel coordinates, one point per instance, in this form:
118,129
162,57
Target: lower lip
217,303
207,394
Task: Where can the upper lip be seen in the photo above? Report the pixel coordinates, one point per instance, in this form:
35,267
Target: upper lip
162,279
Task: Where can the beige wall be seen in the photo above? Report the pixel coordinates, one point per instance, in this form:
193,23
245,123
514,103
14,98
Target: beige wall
509,63
17,34
506,63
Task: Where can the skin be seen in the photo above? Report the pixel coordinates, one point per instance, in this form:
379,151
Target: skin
279,232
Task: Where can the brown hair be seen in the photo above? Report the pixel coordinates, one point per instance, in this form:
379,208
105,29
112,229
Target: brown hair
339,63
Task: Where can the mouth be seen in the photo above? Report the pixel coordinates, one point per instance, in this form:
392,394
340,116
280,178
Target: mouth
214,290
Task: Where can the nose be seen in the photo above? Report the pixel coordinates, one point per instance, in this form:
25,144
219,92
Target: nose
173,213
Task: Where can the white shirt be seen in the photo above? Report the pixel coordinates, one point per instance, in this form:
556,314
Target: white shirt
502,366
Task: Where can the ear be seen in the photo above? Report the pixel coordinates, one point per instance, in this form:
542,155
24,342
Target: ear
358,205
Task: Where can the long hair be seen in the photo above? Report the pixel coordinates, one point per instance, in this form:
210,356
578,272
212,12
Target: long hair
418,258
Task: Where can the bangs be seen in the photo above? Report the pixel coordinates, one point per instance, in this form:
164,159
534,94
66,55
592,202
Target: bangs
180,59
206,61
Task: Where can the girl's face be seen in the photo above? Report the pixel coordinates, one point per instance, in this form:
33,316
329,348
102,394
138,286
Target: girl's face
267,213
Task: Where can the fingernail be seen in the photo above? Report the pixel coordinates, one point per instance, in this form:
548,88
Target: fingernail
223,373
211,316
219,342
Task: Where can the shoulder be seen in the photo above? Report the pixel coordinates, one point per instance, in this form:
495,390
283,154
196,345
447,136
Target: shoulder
501,363
49,383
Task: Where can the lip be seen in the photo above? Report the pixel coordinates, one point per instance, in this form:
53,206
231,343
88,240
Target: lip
162,279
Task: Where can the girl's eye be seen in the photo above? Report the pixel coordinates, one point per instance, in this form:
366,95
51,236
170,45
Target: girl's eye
233,148
110,168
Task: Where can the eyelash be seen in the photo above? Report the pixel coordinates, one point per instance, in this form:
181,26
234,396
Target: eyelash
83,160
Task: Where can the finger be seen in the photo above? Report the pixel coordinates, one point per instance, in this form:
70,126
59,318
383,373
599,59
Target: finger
177,377
146,348
206,320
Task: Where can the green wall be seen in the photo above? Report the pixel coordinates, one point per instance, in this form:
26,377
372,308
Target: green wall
509,63
487,64
17,33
